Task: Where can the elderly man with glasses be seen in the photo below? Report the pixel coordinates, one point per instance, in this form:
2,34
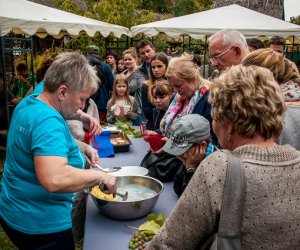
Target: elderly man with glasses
227,47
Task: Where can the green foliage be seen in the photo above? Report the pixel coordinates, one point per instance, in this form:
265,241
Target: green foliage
184,7
162,6
5,243
146,231
129,13
160,45
48,54
122,12
153,224
69,6
80,43
129,130
150,227
295,20
206,4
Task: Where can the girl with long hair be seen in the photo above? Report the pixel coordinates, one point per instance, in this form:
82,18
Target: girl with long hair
158,67
121,106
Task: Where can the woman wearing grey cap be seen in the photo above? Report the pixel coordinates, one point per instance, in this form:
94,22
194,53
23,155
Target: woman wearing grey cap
248,111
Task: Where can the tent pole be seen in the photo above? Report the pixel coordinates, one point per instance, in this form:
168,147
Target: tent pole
293,48
32,62
5,85
205,51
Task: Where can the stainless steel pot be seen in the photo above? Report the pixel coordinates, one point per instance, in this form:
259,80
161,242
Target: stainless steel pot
128,210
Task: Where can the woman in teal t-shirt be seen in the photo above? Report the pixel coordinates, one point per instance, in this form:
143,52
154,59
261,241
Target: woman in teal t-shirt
43,166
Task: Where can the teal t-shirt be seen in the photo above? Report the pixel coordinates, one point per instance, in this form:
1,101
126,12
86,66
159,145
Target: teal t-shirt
38,89
36,129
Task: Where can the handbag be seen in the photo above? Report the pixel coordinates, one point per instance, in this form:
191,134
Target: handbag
229,235
162,166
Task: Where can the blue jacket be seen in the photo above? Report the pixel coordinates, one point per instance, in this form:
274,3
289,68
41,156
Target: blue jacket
107,79
203,108
147,107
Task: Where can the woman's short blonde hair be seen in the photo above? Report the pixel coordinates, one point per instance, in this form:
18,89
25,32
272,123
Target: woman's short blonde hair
249,97
183,67
132,52
283,70
72,70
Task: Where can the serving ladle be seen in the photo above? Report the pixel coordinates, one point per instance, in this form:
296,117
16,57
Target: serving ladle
108,170
124,197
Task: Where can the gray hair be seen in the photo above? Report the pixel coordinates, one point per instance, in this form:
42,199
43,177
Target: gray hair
72,70
230,37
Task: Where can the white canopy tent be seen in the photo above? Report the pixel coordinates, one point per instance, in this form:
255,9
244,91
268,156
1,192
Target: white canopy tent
25,17
250,23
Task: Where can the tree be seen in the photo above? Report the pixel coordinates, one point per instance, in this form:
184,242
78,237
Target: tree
295,20
185,7
123,12
161,6
69,6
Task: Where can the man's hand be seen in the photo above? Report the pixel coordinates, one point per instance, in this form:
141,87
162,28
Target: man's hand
91,155
193,156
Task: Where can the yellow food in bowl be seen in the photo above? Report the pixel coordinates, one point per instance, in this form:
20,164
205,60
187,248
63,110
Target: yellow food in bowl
100,195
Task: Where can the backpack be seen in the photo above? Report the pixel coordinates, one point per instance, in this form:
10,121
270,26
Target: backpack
95,60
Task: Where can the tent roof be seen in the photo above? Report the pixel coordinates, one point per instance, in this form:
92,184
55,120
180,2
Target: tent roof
25,17
248,22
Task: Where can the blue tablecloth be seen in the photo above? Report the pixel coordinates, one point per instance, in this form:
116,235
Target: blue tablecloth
104,233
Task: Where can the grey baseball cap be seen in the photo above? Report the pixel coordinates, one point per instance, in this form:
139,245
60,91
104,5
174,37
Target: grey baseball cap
186,131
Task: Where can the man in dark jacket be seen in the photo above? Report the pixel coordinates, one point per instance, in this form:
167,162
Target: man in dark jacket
106,77
145,51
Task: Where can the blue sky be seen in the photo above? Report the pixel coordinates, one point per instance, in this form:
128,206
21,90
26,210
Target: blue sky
292,8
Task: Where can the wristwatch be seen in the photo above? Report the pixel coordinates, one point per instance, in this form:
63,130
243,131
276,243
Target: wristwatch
190,170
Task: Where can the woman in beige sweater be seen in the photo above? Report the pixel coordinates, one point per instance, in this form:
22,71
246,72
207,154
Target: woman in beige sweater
248,111
286,74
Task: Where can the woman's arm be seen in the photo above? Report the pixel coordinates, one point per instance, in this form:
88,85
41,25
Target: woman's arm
133,115
90,153
89,122
110,117
136,82
55,175
146,105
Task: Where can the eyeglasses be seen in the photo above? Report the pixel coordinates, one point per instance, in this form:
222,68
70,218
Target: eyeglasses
216,59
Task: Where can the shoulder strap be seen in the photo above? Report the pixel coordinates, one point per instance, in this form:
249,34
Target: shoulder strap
233,199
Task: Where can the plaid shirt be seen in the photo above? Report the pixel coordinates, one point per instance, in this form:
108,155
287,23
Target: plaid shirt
210,149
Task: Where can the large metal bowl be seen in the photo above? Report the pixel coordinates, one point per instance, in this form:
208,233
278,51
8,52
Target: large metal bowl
129,210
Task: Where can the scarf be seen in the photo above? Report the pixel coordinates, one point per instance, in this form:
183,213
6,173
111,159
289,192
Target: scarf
173,113
291,91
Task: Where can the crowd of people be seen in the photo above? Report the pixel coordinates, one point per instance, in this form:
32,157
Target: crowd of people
250,106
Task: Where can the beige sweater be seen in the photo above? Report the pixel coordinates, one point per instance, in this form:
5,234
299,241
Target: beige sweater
272,208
